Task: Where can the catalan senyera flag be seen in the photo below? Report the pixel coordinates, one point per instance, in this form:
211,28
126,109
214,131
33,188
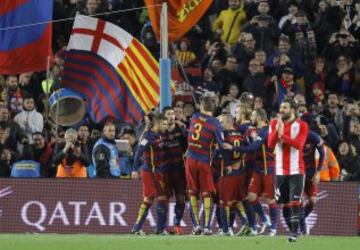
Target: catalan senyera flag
112,70
182,15
25,47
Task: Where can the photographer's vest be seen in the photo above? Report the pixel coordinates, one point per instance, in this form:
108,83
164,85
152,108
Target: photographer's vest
114,157
75,170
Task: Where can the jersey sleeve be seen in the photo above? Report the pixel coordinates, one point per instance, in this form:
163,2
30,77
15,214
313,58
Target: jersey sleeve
319,144
273,134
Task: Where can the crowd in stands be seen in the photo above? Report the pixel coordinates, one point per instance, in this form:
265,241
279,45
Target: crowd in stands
271,50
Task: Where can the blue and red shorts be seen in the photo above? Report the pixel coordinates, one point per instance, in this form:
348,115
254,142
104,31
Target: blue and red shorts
154,184
261,184
199,176
232,188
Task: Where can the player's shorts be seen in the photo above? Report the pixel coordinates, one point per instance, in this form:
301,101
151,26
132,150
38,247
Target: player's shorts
177,182
262,185
289,188
199,176
154,184
232,188
310,188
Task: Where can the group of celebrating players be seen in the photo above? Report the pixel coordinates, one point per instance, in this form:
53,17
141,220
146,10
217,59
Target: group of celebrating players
231,163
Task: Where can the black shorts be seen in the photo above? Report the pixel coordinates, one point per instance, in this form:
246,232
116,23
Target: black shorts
289,188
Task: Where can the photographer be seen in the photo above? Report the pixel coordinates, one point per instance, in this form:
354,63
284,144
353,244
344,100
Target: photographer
264,28
70,161
341,43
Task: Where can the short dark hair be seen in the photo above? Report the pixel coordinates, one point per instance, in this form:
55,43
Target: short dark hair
166,109
38,133
159,117
292,104
208,103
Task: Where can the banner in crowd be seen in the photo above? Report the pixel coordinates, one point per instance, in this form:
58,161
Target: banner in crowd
112,70
110,206
182,15
25,47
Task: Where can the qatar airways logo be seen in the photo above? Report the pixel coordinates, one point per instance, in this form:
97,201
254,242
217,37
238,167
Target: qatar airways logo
3,193
313,216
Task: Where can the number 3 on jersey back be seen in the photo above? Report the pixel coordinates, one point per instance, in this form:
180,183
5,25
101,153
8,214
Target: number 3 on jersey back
196,134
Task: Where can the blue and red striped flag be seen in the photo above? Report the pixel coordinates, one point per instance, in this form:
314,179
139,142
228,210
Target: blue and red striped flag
25,35
112,70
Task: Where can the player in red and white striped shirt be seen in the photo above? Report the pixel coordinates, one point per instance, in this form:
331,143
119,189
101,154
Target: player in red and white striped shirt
287,134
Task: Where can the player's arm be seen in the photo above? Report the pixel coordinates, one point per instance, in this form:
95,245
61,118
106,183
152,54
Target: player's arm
319,147
273,134
254,146
143,145
299,141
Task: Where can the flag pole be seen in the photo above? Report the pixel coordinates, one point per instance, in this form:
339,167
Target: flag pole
165,64
47,90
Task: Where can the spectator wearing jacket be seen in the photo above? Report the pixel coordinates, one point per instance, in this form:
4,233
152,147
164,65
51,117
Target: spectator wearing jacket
29,119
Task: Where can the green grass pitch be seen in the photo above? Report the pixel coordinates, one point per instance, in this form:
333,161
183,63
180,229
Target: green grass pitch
105,242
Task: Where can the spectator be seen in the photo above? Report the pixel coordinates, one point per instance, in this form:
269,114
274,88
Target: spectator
206,83
302,36
29,119
244,52
286,54
332,111
15,133
228,23
84,139
70,161
257,82
14,95
42,153
264,28
315,81
289,18
340,78
184,53
349,161
341,43
126,159
6,159
231,100
230,74
286,88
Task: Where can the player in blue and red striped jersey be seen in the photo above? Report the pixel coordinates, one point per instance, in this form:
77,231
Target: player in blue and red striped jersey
262,176
204,132
232,180
312,174
244,126
176,147
152,151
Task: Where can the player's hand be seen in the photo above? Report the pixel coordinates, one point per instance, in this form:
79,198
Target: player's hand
316,178
135,175
227,146
180,124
